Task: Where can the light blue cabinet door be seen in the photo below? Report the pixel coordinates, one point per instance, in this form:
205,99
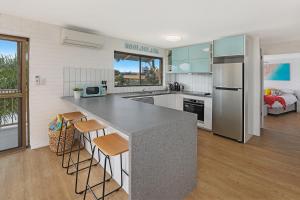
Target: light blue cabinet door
181,53
229,46
200,66
181,66
199,51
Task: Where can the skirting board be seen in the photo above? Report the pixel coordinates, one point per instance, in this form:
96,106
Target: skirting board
37,146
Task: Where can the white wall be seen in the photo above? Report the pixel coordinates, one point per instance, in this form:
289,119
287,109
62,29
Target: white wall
294,60
281,48
47,59
253,86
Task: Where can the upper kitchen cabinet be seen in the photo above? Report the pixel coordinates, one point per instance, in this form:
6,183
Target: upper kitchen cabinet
199,51
200,66
181,66
229,46
181,53
191,59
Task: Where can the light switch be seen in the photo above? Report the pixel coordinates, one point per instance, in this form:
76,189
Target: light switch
37,80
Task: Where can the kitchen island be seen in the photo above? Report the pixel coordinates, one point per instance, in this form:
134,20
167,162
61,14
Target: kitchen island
162,144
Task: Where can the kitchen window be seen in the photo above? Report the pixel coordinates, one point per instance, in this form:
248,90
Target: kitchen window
137,70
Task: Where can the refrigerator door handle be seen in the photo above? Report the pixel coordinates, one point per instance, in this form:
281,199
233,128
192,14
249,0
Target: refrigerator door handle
226,88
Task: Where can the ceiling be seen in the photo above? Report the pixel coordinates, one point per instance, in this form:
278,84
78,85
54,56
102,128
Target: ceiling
275,21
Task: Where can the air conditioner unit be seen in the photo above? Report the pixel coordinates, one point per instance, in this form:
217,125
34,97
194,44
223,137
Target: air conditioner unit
81,39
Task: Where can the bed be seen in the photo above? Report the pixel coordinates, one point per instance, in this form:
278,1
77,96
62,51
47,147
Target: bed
284,103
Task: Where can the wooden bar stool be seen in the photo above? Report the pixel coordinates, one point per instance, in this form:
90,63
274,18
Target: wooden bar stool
84,127
67,118
110,145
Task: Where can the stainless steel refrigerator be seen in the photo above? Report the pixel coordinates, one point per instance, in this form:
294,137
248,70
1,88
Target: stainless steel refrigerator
228,100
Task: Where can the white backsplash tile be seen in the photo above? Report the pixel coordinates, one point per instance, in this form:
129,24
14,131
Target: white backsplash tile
193,82
66,74
72,74
82,74
78,77
67,89
71,87
78,74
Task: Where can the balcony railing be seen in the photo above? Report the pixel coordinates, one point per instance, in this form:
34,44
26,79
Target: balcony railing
9,91
9,108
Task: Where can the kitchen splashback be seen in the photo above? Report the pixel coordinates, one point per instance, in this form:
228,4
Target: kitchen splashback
79,76
193,82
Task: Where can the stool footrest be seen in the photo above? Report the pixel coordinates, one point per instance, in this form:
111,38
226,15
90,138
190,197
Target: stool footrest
75,164
89,188
107,180
67,152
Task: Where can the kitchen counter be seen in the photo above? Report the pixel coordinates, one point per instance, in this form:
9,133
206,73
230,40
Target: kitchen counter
126,115
162,144
198,94
164,92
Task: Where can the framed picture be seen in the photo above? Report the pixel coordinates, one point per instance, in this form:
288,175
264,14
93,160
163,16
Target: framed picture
277,72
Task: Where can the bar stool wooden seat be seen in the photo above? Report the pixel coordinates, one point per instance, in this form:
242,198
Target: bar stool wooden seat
71,116
67,118
89,126
110,145
83,127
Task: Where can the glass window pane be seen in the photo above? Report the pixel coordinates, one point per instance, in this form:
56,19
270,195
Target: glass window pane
9,67
134,70
151,73
9,123
127,69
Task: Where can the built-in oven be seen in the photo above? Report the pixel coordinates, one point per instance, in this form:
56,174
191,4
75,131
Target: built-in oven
194,106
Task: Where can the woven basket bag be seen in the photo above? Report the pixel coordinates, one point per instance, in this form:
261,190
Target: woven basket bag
53,139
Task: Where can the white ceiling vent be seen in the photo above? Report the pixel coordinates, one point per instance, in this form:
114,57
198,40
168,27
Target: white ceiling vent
81,39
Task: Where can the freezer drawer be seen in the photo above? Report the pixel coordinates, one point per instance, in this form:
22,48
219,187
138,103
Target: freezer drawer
228,113
228,75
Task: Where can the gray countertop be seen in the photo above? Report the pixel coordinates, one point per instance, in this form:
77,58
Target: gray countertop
126,115
164,92
198,94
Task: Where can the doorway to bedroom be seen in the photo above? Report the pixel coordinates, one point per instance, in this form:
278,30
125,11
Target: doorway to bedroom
281,100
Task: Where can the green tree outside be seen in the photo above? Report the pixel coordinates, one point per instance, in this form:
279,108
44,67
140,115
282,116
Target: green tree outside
8,80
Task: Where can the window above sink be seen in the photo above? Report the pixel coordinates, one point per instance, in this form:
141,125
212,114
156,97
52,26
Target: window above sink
137,70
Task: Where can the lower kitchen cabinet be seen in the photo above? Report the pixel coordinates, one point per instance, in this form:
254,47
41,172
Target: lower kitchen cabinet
208,114
168,100
179,102
160,100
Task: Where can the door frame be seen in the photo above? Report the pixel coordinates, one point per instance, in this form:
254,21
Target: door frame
262,88
23,94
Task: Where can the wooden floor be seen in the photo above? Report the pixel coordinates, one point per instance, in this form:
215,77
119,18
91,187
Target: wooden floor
288,123
268,168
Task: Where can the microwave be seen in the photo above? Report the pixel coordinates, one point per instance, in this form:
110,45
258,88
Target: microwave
94,91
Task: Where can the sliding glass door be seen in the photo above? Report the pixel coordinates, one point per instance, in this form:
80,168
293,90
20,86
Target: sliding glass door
13,92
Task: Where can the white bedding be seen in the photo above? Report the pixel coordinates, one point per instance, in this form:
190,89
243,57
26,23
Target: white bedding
289,100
